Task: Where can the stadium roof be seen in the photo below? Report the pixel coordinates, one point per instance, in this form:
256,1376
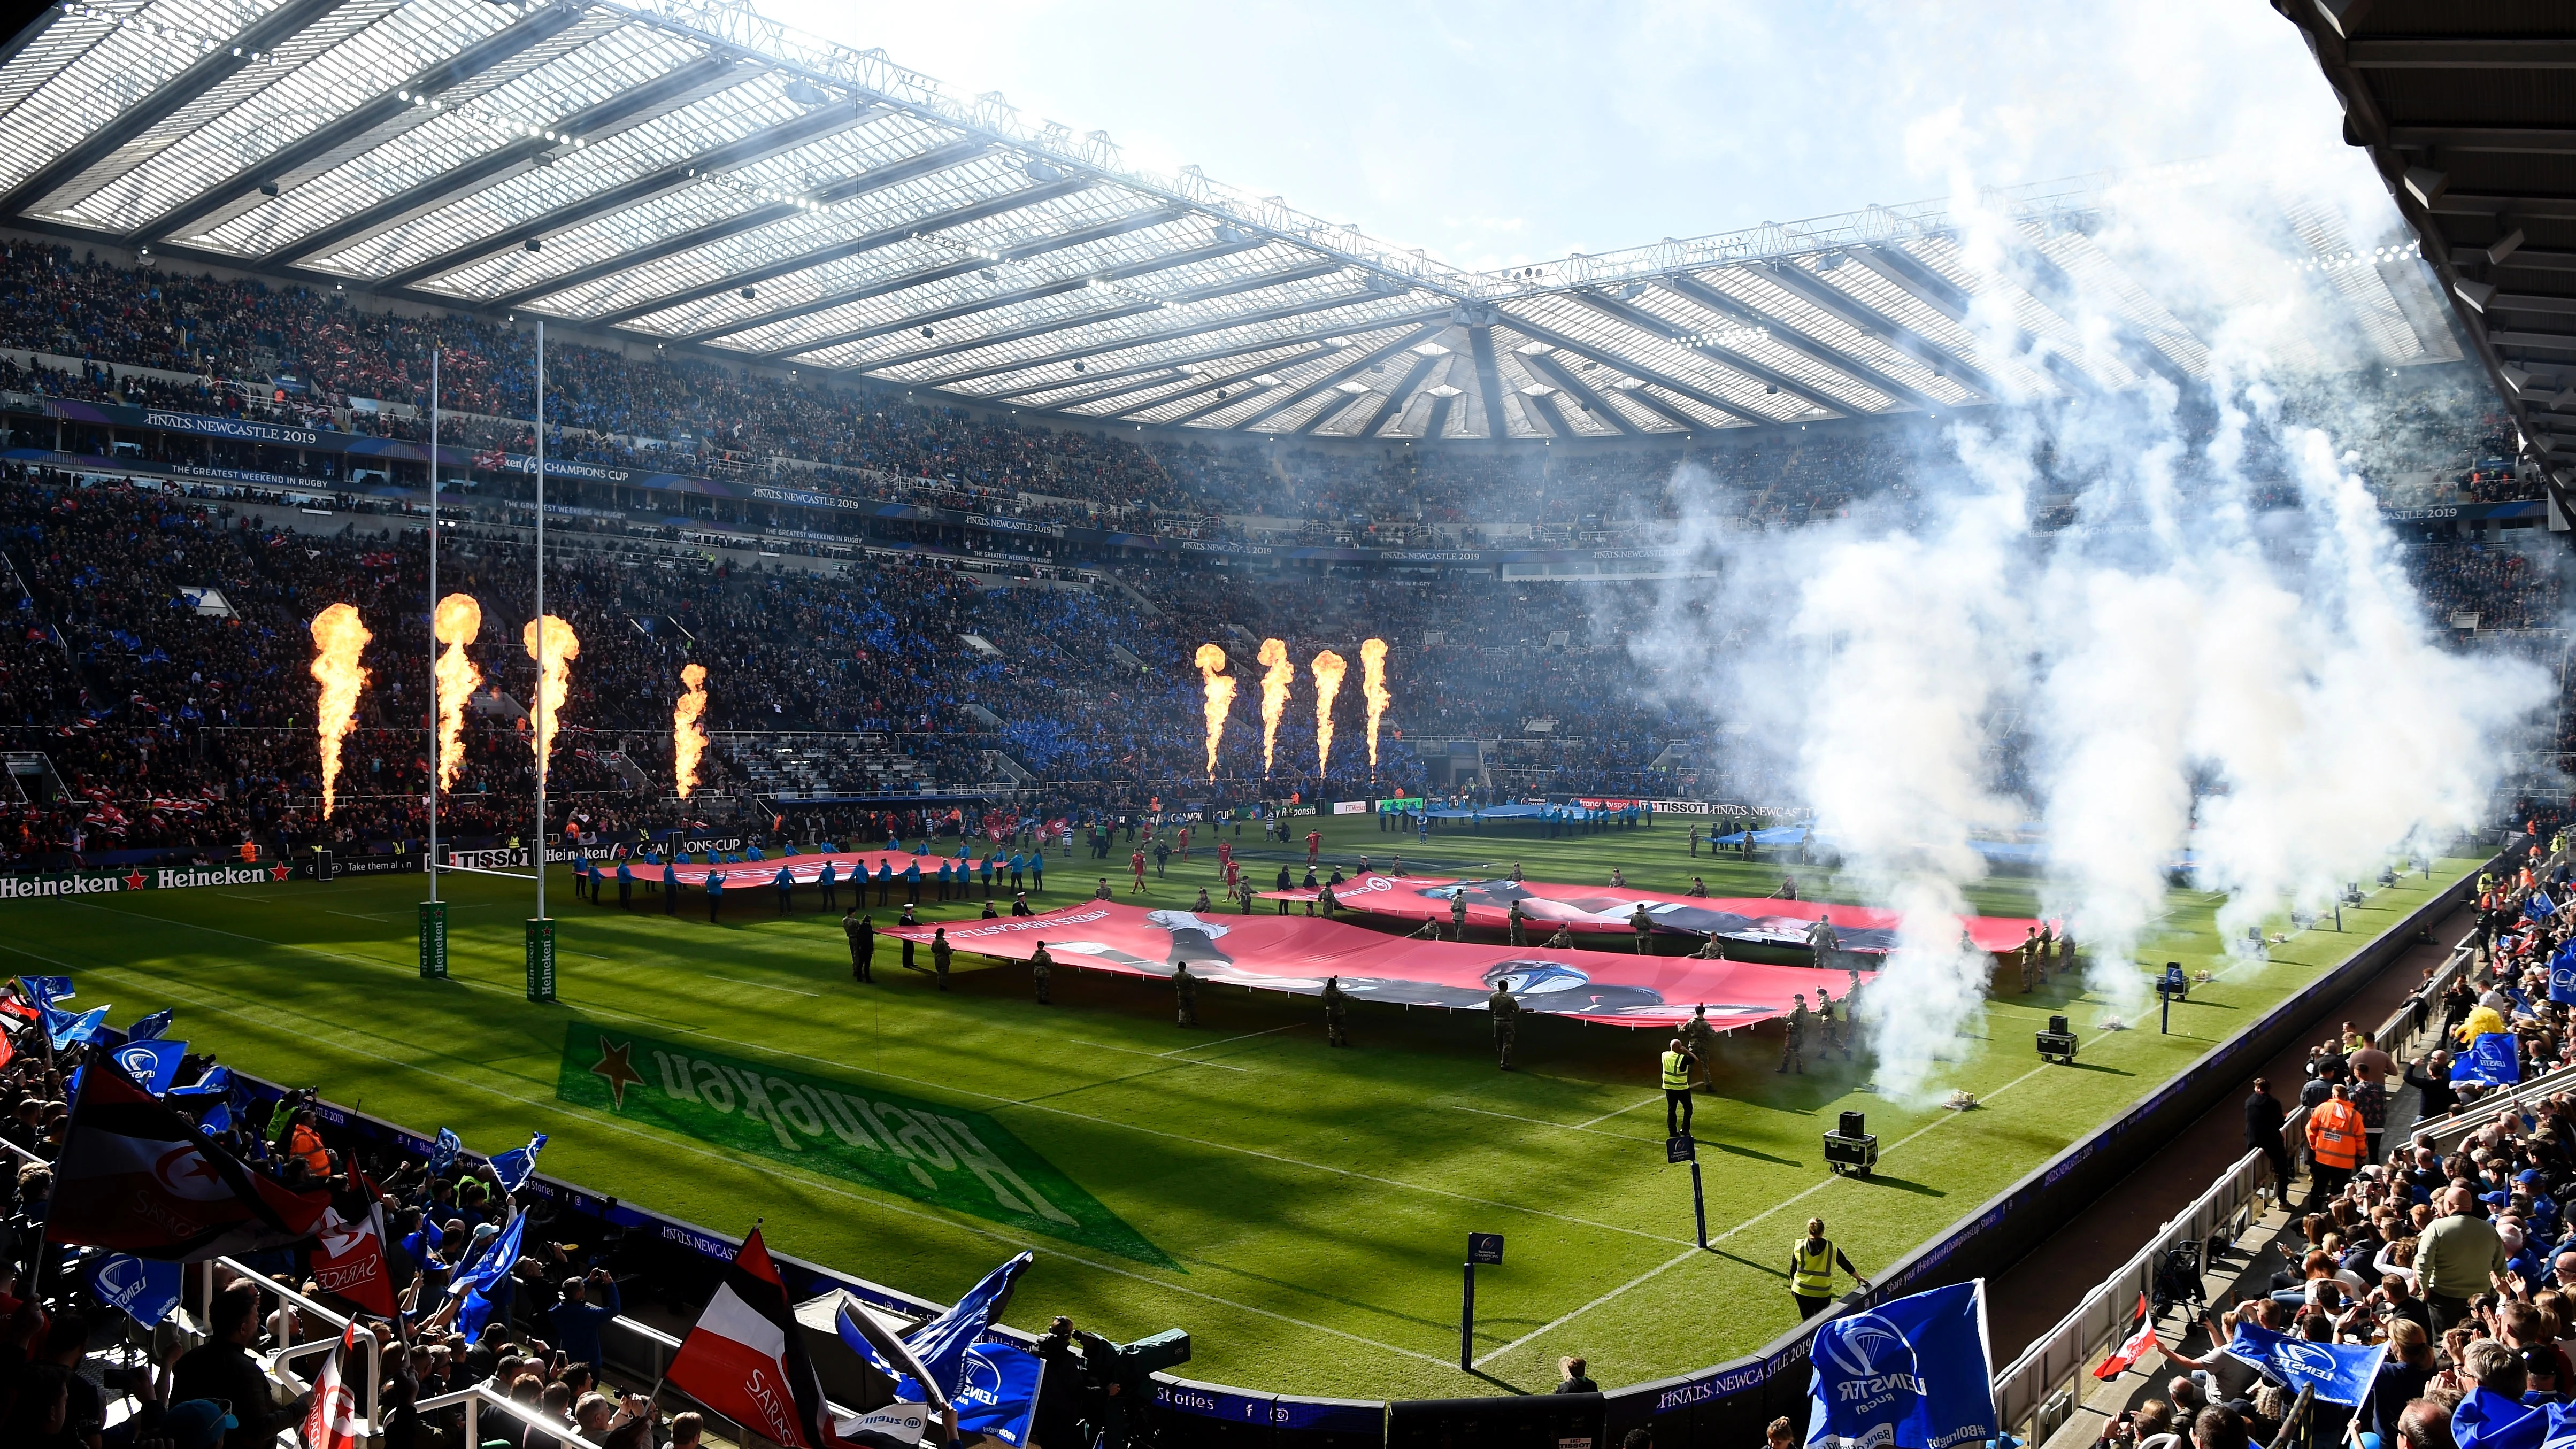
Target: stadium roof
690,173
2469,111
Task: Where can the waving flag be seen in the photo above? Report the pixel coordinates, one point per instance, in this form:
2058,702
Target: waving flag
152,1064
2562,974
2489,1420
349,1260
143,1291
2491,1061
2135,1348
999,1393
334,1421
442,1153
149,1028
217,1082
1909,1374
514,1166
136,1177
477,1281
46,990
746,1359
65,1030
941,1344
2339,1373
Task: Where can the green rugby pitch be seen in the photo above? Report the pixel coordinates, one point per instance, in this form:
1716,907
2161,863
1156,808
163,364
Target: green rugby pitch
1302,1211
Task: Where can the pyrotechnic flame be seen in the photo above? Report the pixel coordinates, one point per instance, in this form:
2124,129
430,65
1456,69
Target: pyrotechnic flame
1220,698
456,622
338,640
1274,695
688,742
1373,689
1329,669
554,680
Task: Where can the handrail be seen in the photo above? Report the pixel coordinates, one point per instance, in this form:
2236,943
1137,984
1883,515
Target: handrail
474,1399
375,1351
2056,1360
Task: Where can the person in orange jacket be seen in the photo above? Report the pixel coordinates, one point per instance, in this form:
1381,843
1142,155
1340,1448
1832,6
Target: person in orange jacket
2336,1139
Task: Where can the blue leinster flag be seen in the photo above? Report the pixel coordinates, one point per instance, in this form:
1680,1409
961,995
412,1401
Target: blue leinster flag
2492,1060
1910,1374
2340,1373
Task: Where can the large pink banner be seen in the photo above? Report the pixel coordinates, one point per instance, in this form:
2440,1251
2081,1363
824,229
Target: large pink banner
1296,953
1547,905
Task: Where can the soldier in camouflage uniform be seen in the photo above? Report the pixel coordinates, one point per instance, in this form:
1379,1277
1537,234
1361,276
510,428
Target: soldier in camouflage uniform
1700,1040
1829,1028
1042,972
1793,1047
1185,995
1336,1013
1507,1019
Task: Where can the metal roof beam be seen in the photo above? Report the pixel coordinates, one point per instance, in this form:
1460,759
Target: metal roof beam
1010,298
1040,329
1196,329
1214,354
1913,278
2494,140
1201,382
1825,296
166,100
663,93
1786,332
1724,356
1538,332
1489,380
1395,398
1344,373
937,159
2484,53
891,285
776,140
2048,284
1221,384
538,27
1594,402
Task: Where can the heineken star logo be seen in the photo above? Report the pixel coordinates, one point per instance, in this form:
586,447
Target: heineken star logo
134,881
280,872
619,1072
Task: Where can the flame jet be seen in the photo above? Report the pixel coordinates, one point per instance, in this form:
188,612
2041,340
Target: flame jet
554,678
1329,669
456,622
688,742
1220,698
338,640
1373,689
1274,696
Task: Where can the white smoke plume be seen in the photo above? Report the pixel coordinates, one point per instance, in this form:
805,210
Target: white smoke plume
2225,638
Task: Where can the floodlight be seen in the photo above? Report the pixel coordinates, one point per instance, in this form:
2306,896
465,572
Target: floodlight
534,244
749,293
2505,246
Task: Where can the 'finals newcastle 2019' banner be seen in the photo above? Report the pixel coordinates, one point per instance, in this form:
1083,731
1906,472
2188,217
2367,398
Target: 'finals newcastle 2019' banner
958,1159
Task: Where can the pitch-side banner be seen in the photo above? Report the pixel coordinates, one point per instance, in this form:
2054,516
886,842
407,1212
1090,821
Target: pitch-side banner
1295,954
1546,905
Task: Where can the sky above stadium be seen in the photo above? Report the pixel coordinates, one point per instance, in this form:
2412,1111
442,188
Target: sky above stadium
1492,134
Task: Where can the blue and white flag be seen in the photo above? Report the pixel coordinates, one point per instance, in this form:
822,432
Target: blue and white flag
2492,1061
149,1028
1913,1373
46,990
478,1279
2338,1373
66,1030
943,1342
442,1153
998,1395
143,1291
2489,1420
2539,907
217,1082
2562,975
514,1166
152,1064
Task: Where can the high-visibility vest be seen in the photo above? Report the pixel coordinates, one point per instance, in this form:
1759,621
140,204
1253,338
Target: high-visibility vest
2336,1135
1676,1072
1815,1275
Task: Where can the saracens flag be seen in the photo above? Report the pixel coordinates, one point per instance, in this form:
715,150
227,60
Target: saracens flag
349,1260
2136,1348
746,1360
334,1421
137,1177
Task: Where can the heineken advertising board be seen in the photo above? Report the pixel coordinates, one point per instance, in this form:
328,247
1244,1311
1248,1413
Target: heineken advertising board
927,1151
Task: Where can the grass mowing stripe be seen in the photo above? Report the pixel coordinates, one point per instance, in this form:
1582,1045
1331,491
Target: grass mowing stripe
668,1141
1542,1122
736,980
1003,1103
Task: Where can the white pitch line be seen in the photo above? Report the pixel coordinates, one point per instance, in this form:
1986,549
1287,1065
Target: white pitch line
1156,1056
1631,1107
1541,1122
815,1180
1814,1188
738,981
354,915
952,1087
1247,1036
